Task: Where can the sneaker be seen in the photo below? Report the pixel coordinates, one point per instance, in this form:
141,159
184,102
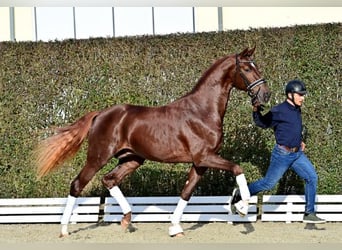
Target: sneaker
236,197
241,208
312,218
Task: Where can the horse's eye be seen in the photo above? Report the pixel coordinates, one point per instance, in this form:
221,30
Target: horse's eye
248,69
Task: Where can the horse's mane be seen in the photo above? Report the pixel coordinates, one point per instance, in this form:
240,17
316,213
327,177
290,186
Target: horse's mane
208,72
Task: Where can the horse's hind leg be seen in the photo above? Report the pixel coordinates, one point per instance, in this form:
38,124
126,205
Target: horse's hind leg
76,187
111,180
194,176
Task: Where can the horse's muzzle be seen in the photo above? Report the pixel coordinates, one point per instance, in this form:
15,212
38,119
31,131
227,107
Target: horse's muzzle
262,96
266,96
258,90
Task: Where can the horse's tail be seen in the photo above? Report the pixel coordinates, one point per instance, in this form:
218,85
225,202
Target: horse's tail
54,150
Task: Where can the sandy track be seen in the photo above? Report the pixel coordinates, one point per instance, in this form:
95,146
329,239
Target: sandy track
259,232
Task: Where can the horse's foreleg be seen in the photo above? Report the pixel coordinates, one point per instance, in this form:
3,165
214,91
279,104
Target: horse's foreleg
194,176
175,229
124,205
244,191
111,180
214,161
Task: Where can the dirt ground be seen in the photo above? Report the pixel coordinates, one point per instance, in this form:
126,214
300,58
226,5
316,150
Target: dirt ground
197,233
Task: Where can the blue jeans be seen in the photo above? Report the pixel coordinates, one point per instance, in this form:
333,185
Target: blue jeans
281,161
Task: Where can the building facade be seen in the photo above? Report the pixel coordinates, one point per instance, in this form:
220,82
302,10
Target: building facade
58,23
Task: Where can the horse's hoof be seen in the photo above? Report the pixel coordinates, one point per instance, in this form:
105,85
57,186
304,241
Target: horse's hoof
241,208
64,231
176,231
124,224
128,227
61,235
179,235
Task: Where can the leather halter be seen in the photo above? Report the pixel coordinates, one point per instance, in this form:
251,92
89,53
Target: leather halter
250,86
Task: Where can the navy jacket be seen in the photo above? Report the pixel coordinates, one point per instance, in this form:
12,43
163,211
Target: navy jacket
286,121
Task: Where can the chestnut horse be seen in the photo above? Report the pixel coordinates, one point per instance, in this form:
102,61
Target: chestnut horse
188,130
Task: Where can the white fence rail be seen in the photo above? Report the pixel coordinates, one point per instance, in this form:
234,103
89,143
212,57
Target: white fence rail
42,210
290,208
285,208
159,209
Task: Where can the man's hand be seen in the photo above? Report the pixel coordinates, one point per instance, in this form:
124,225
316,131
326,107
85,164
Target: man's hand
257,107
302,145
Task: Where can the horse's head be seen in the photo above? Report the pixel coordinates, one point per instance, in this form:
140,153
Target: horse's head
248,78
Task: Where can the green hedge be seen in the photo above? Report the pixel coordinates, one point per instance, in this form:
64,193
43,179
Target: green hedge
51,84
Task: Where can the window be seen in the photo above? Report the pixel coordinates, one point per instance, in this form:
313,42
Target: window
173,19
54,23
93,22
131,21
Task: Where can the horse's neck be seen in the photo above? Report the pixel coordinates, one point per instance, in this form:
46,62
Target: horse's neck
208,97
214,88
217,97
212,92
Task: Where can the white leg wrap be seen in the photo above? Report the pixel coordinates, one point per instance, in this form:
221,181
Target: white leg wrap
120,198
242,183
177,214
67,214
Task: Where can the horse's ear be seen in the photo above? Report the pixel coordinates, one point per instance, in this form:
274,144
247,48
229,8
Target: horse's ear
251,51
244,53
247,52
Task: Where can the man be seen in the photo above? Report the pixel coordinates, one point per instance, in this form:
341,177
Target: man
288,153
